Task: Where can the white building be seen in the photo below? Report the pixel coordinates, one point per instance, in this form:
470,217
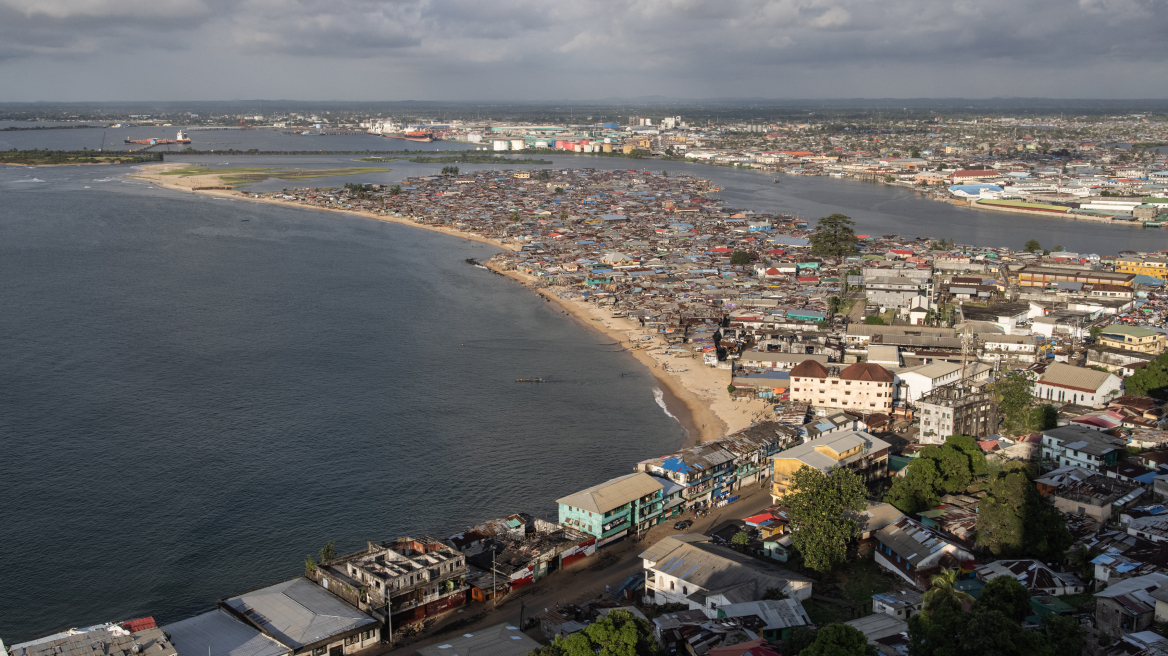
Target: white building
689,569
1064,383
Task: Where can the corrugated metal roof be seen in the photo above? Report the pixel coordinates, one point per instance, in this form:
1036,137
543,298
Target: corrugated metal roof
218,634
614,493
299,612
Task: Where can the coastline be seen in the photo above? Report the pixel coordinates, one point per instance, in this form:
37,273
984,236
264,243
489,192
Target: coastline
693,393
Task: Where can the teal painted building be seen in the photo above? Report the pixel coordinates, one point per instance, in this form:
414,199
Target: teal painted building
622,506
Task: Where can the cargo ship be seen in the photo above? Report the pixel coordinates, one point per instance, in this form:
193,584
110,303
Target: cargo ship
181,138
412,136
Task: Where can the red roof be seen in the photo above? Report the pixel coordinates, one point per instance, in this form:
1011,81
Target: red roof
809,369
867,371
140,624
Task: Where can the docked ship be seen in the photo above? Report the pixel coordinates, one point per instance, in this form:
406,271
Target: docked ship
412,136
181,138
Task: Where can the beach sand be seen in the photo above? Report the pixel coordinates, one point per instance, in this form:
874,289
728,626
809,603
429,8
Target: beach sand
692,392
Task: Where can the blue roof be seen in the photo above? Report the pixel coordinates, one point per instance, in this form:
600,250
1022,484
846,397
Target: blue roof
974,188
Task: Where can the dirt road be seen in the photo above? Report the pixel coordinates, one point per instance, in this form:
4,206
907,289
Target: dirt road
581,583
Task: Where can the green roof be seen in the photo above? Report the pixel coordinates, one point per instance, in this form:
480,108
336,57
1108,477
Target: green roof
1022,205
1130,331
1157,201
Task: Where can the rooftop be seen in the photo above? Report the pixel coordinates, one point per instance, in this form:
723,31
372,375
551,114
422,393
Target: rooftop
613,494
298,613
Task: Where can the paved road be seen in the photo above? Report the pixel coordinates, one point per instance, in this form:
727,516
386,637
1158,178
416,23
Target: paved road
580,583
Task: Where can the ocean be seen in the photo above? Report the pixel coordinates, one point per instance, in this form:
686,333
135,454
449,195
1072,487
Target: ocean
198,392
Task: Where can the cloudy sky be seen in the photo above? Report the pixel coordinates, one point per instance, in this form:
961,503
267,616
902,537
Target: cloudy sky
580,49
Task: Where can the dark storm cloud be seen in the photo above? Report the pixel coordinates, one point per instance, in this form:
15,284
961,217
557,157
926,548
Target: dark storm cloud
728,47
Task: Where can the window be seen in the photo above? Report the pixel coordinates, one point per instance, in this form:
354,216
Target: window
685,590
319,651
671,585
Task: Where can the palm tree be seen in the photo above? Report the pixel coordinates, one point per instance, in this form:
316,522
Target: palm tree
942,592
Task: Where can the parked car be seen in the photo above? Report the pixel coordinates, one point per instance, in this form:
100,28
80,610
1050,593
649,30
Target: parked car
683,524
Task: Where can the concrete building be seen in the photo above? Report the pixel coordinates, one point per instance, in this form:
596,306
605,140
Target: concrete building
623,505
864,454
897,292
863,386
1082,447
306,618
112,639
1064,383
957,409
1128,606
1074,490
920,381
1133,338
420,577
901,604
1146,265
1036,577
689,569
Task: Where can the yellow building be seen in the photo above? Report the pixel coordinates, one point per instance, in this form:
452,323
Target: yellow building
523,175
862,453
1133,338
1157,267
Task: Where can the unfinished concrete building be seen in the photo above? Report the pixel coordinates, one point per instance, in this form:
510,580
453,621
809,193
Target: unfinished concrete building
957,409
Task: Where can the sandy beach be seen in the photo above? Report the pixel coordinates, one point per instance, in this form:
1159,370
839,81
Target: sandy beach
692,392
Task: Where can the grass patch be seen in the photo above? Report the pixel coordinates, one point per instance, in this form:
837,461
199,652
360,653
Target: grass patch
823,613
378,159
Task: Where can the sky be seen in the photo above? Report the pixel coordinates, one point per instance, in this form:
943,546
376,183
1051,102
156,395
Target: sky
104,50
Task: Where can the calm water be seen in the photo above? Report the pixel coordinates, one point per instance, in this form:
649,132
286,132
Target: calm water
196,393
260,139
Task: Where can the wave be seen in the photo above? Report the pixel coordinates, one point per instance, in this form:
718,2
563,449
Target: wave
29,180
659,397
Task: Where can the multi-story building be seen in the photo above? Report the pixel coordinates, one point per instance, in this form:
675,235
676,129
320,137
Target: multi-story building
715,470
1147,265
957,409
1133,338
863,386
1079,446
1042,276
417,577
1129,606
862,453
615,508
897,292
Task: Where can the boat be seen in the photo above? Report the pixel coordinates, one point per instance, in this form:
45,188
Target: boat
776,181
425,137
529,380
181,138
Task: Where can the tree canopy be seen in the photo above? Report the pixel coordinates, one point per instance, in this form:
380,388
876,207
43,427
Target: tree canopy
1013,519
740,258
873,320
1032,246
619,633
839,640
834,236
1151,380
1007,595
943,592
938,470
1014,394
823,510
987,630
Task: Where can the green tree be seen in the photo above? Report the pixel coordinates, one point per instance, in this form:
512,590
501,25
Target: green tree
1014,394
873,320
619,633
328,551
834,236
740,539
938,470
1007,595
1013,519
1095,331
1057,249
395,190
823,510
916,154
943,592
740,258
309,563
798,640
839,640
1032,246
1151,380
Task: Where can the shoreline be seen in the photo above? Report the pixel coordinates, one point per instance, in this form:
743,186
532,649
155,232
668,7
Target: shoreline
691,395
